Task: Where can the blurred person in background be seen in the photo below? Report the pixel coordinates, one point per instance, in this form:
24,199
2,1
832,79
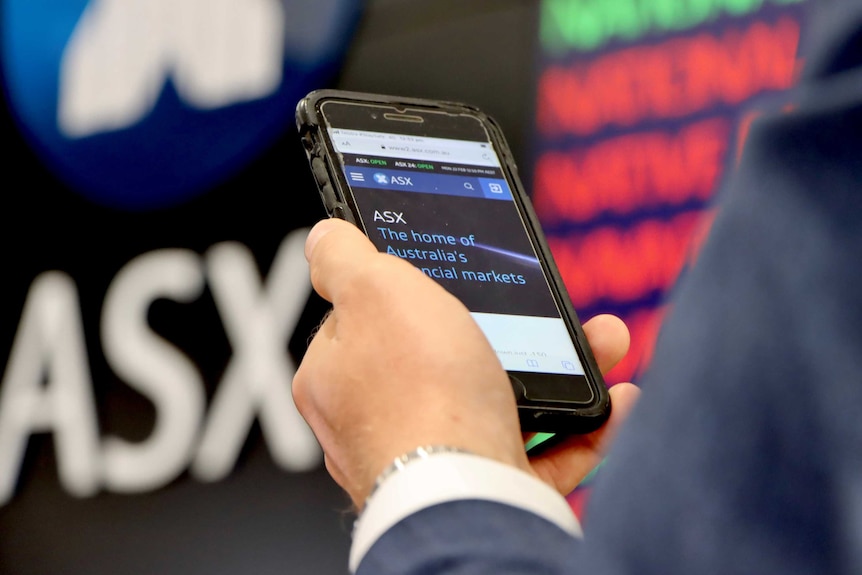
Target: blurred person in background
744,454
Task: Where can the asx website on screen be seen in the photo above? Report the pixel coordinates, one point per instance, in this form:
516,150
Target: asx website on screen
445,206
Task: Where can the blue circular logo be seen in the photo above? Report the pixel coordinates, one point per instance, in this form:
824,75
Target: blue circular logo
141,104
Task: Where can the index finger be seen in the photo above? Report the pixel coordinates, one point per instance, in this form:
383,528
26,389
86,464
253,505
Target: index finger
335,250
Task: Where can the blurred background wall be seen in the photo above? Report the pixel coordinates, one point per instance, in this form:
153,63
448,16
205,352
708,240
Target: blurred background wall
155,300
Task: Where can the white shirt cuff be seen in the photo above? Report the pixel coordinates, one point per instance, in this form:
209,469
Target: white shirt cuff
450,477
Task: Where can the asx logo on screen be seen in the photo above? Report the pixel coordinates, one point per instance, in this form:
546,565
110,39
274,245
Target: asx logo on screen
140,104
383,179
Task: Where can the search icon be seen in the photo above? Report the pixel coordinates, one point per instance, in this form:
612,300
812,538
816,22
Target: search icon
468,185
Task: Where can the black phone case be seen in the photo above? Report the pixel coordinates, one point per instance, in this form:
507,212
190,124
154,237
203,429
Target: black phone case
332,185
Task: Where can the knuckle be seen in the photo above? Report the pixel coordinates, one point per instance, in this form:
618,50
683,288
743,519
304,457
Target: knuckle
316,275
299,388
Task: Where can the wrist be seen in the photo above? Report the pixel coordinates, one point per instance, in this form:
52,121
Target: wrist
375,454
399,463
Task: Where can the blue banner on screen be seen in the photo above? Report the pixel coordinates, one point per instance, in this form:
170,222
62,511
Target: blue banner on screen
404,181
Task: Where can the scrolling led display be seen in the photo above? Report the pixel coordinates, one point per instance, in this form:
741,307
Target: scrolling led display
641,106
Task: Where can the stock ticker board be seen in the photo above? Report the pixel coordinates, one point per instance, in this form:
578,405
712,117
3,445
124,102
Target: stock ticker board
642,107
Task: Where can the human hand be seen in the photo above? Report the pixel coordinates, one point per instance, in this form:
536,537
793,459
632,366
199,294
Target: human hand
399,363
566,464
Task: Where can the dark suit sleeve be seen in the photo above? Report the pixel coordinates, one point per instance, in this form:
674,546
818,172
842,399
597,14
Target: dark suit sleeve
475,537
745,452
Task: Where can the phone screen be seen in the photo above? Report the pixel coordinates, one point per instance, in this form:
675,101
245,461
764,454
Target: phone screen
446,205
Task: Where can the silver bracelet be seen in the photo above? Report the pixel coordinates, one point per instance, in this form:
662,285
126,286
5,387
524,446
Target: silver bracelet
400,462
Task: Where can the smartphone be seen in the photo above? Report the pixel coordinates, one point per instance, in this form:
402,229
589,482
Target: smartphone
434,183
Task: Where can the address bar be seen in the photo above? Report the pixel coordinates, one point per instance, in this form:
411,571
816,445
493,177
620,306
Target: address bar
422,149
